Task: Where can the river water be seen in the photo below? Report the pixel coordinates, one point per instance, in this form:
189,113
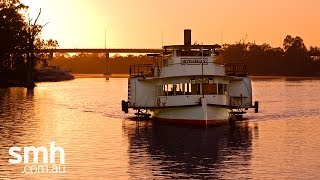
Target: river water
100,142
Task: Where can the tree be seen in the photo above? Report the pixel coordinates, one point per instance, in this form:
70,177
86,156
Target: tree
20,43
44,51
288,42
295,55
12,34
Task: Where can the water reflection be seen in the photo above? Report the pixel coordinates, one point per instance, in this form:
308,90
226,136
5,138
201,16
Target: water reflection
18,105
185,152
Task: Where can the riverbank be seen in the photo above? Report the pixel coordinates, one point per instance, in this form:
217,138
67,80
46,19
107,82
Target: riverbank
11,83
13,79
46,74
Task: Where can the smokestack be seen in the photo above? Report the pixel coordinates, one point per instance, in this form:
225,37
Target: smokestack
187,37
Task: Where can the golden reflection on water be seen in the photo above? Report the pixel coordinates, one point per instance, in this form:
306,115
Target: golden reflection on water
157,150
84,117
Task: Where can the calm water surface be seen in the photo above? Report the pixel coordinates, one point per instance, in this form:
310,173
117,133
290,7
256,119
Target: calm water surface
84,117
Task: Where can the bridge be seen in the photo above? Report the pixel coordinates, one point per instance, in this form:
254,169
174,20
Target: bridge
107,52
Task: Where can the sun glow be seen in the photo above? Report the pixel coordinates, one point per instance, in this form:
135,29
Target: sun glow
75,24
141,23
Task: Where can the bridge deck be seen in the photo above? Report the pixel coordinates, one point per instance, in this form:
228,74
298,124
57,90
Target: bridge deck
102,50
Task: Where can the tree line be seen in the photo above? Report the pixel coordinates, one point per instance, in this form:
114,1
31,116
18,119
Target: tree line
294,59
20,44
91,63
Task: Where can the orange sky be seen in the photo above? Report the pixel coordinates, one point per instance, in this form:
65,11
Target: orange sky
143,23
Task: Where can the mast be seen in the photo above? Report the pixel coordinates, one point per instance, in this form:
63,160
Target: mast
105,38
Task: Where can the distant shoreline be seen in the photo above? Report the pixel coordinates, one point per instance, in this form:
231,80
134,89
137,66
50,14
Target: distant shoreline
285,77
253,77
99,75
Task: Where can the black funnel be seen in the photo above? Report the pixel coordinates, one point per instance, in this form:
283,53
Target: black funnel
187,37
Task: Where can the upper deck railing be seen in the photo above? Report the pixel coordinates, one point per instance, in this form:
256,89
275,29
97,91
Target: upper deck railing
142,70
149,70
236,69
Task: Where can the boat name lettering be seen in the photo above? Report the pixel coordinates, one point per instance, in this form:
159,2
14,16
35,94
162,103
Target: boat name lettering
194,60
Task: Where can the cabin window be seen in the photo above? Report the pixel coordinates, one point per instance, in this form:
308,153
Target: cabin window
222,89
172,89
206,89
209,88
165,89
187,88
193,81
195,89
160,90
178,52
211,81
204,80
179,90
225,89
194,52
213,88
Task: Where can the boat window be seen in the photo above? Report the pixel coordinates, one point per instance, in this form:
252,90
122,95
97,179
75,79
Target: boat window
171,89
194,52
206,89
160,90
193,81
220,88
165,88
195,89
189,53
225,89
213,88
211,81
187,88
178,52
204,80
179,90
209,88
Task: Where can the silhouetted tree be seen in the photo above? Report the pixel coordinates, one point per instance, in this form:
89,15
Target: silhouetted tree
296,56
20,43
44,56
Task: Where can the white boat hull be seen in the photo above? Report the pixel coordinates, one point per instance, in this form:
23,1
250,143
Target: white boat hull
193,115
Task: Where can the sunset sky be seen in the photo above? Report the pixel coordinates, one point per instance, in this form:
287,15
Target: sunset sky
151,23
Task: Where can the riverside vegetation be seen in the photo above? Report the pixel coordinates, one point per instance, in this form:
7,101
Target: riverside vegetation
293,59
